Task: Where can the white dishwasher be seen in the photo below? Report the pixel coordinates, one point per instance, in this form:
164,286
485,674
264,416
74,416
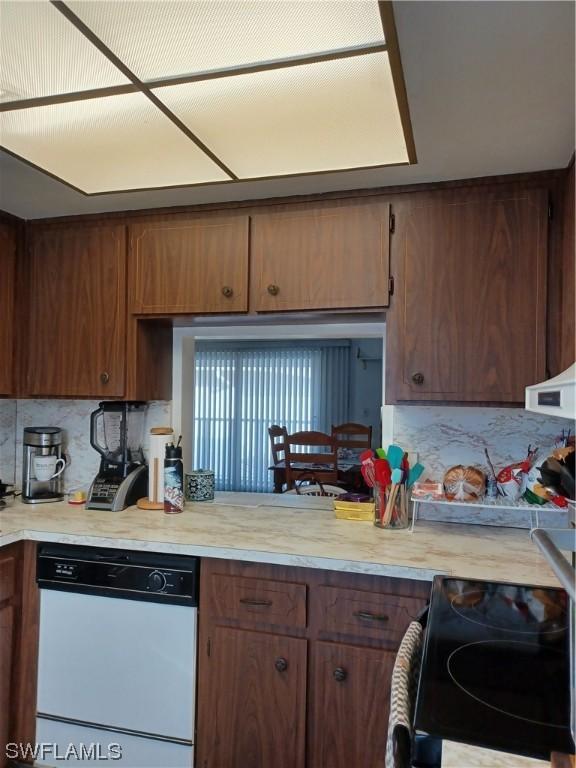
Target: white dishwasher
117,660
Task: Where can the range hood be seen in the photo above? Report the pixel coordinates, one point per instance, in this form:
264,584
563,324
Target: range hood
555,397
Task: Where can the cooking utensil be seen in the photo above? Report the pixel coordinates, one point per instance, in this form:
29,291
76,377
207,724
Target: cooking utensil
414,474
383,479
367,468
395,456
397,476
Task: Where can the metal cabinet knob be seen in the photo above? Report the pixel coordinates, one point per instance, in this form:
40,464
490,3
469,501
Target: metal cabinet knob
104,377
340,674
273,290
227,291
418,378
281,664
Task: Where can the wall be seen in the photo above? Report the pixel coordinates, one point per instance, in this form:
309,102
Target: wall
445,436
73,416
366,385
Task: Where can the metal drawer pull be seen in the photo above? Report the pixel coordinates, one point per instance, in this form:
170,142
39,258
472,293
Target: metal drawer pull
249,601
371,616
104,377
227,291
281,664
418,378
273,290
340,674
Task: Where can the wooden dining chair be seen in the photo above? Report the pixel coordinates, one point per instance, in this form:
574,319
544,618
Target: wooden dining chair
352,435
310,455
277,437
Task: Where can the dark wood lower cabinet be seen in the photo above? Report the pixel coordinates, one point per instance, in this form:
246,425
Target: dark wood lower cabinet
295,665
6,649
349,690
254,701
19,615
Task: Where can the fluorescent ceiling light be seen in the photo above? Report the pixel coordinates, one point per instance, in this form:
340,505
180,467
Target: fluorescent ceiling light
114,143
304,119
115,96
42,54
163,39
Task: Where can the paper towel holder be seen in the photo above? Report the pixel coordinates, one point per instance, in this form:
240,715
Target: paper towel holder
157,440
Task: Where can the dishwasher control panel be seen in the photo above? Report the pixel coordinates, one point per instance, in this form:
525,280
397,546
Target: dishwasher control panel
119,573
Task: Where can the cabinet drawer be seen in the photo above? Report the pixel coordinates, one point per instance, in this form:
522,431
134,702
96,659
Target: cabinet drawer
258,601
360,614
7,578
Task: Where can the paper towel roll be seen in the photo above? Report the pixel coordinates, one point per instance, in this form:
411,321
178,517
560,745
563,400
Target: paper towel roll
159,438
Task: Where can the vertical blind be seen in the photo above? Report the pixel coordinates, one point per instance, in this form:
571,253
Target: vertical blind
240,390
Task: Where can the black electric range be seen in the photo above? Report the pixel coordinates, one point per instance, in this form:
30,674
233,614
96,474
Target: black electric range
495,667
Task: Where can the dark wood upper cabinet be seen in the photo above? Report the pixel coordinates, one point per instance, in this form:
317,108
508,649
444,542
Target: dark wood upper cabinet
189,265
76,311
468,323
253,701
320,257
350,693
8,246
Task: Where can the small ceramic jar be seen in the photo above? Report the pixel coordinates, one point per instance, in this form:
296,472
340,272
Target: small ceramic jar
199,485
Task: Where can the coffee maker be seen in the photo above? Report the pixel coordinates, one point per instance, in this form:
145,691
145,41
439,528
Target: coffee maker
42,449
116,432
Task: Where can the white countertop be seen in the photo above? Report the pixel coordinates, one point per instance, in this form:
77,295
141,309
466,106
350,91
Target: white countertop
288,530
463,756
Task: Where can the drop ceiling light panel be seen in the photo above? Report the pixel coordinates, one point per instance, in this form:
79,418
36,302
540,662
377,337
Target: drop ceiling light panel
105,144
42,54
327,115
164,39
318,117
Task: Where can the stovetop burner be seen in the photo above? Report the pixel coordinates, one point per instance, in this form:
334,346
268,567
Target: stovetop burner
508,608
495,667
495,683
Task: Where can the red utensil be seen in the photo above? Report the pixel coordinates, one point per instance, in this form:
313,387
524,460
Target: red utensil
405,466
383,474
367,468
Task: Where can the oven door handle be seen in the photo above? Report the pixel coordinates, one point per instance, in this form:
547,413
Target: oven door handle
554,557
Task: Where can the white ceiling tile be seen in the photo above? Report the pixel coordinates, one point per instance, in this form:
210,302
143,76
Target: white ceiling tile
107,144
161,39
42,54
318,117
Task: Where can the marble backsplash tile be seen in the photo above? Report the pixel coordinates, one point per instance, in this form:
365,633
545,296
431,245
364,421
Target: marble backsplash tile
444,436
73,417
7,440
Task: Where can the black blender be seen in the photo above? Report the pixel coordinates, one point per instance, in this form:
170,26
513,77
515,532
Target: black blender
116,432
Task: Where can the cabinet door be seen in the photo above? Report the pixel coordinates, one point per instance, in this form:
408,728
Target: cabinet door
77,312
190,266
252,701
320,257
8,235
6,651
350,691
468,323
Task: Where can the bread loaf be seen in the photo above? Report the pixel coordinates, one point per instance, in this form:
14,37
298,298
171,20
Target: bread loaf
464,483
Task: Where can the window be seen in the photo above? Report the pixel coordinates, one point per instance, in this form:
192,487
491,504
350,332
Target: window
242,388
